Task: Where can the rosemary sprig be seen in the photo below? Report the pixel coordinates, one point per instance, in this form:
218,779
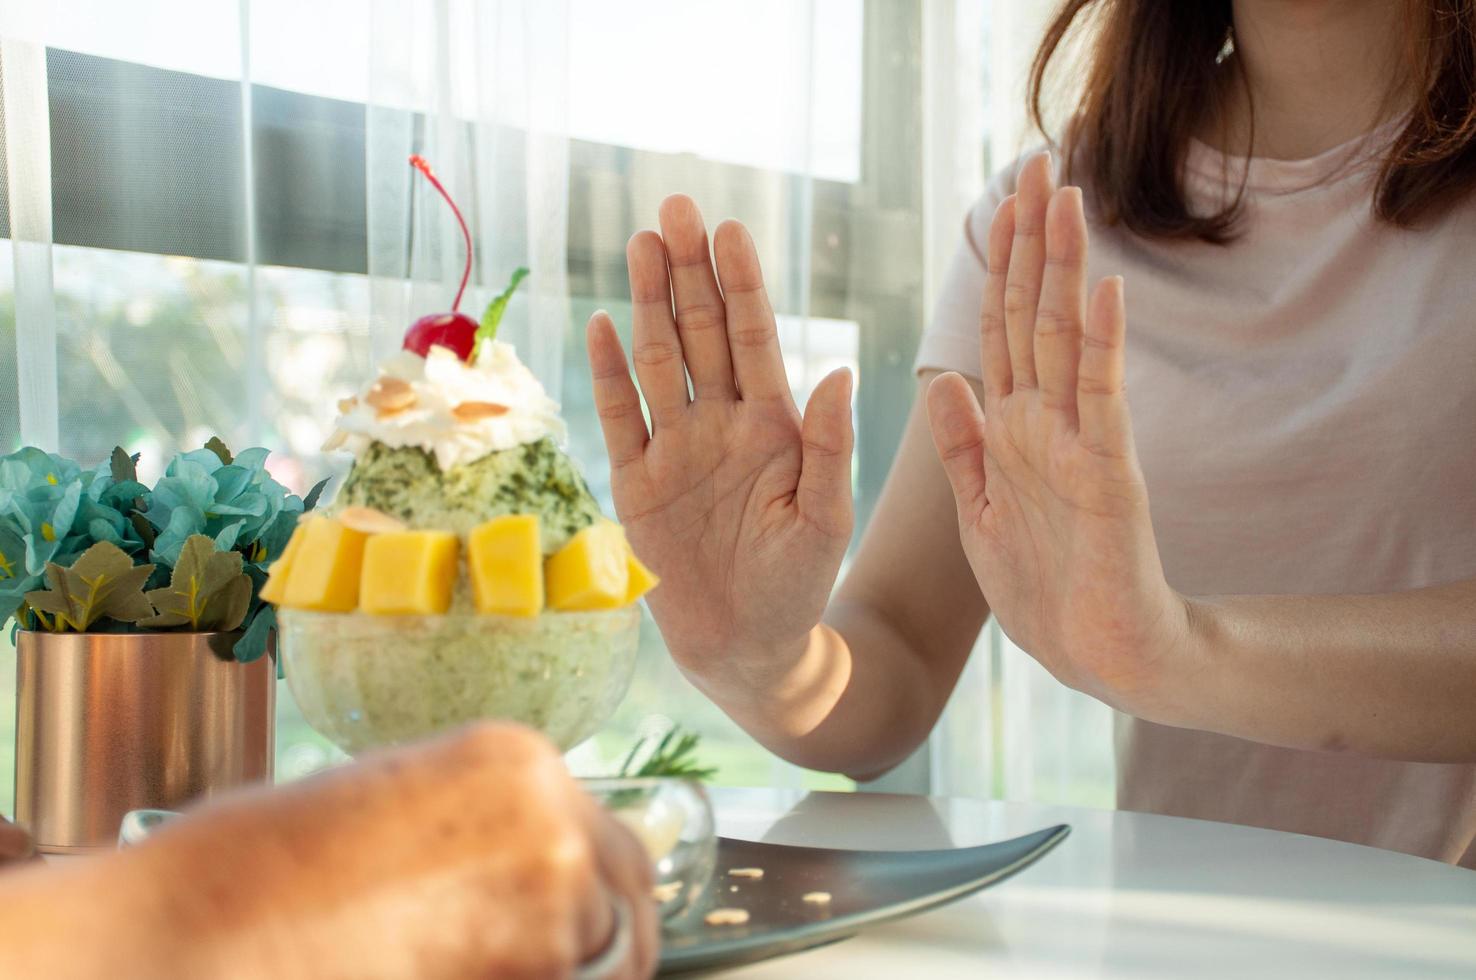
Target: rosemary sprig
674,756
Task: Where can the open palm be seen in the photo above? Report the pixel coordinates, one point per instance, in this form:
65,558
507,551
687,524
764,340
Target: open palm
1052,506
742,506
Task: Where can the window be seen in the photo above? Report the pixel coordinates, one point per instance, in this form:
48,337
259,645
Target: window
233,239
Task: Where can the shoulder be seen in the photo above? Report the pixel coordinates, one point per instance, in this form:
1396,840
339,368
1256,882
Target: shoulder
1001,185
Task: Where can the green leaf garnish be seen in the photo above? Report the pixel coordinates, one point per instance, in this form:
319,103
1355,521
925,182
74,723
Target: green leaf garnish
103,582
672,757
495,309
208,590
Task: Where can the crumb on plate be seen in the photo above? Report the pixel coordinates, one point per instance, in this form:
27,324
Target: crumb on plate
726,917
754,873
665,893
816,898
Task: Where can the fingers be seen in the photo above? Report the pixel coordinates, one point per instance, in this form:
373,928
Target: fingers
1027,260
655,347
616,401
1058,322
626,869
993,341
700,316
1100,393
753,337
827,438
958,434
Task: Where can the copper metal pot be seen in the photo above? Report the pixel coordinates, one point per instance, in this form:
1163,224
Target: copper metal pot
107,723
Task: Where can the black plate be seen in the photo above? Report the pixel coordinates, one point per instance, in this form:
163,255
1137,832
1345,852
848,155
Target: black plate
865,888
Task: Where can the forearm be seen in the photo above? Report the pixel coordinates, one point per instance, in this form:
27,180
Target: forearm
94,917
1383,675
852,696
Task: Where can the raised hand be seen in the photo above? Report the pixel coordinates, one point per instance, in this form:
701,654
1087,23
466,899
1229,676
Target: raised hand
1052,506
742,506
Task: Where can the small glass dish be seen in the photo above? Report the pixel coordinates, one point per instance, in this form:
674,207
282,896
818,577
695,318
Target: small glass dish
673,819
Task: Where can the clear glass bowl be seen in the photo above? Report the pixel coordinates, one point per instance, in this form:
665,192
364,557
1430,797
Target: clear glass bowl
364,681
673,819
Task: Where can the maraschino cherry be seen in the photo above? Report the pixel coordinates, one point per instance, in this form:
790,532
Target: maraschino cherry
455,330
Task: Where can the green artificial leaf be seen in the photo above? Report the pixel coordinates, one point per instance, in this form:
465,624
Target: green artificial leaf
311,500
216,446
253,643
495,309
103,583
207,592
124,466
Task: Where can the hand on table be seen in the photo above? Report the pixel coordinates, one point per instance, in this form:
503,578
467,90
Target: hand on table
1052,507
742,506
476,855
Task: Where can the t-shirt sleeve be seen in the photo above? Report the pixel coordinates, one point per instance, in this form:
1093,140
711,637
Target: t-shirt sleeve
951,341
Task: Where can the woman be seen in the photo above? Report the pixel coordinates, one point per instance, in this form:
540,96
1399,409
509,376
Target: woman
1283,186
472,856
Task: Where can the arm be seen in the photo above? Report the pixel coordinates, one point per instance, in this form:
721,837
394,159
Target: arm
95,915
865,687
1055,522
1384,675
471,855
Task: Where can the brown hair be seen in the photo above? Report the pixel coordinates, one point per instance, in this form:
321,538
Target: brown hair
1154,68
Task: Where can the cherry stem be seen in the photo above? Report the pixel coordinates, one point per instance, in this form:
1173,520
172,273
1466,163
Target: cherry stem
418,162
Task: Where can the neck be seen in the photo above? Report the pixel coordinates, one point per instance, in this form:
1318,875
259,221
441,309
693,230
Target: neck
1312,74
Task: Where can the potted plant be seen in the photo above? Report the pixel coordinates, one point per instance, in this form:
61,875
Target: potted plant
145,663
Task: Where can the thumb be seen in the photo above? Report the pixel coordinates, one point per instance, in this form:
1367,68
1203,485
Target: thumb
958,433
825,470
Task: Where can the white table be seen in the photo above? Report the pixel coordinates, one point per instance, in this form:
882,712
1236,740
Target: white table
1128,895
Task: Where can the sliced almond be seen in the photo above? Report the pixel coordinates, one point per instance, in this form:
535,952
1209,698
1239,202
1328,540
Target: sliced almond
726,917
390,395
754,873
816,898
335,441
476,411
367,520
346,405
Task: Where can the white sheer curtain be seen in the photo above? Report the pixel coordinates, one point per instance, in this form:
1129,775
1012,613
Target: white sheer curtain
1010,729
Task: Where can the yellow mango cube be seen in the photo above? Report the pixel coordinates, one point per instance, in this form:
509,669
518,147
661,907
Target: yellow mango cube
592,571
408,573
325,567
275,589
505,559
640,579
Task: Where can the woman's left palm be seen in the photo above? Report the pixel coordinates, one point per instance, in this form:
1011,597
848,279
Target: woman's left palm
1052,507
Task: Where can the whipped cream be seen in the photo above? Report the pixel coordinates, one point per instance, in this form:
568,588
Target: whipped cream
456,411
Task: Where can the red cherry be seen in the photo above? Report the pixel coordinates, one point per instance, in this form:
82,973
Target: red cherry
455,331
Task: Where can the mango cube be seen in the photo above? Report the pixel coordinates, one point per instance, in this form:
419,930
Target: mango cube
641,579
275,588
505,558
324,574
408,573
591,572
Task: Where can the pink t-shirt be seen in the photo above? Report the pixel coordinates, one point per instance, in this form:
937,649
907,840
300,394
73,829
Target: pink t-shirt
1304,404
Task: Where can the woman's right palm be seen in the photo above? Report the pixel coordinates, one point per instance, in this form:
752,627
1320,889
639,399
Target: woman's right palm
740,505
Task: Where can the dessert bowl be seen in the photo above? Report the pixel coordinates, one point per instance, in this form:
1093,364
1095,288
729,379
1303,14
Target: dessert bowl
366,680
